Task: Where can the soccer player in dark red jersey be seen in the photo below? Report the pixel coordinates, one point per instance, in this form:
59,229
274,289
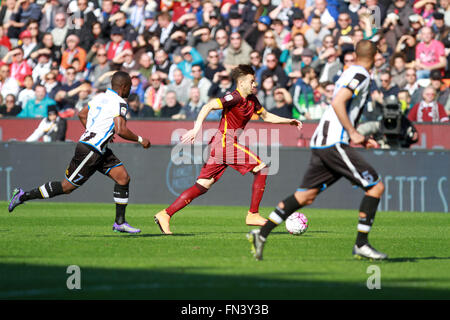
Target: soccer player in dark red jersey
238,108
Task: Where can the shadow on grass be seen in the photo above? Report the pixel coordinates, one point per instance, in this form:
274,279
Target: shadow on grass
415,259
29,281
137,236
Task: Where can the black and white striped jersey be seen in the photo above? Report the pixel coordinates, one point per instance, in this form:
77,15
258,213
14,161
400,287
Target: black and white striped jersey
330,130
103,108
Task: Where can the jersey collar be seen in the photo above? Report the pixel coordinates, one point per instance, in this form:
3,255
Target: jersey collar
112,91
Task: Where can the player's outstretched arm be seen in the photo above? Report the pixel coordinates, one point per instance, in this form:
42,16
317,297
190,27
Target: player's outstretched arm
189,137
339,105
272,118
120,127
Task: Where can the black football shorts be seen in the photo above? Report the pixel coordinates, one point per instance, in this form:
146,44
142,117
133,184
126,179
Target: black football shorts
328,165
86,161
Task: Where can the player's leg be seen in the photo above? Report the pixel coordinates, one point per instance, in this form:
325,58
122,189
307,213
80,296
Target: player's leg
367,212
288,206
350,163
46,191
114,169
243,160
121,194
316,175
77,173
209,174
258,187
284,209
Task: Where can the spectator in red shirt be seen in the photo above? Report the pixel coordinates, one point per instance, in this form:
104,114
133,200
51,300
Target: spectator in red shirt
117,43
19,66
428,110
4,40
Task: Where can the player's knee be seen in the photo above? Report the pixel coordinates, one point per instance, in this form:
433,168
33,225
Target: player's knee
305,198
123,180
206,183
67,188
377,190
260,168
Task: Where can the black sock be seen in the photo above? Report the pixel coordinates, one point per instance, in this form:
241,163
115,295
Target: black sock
120,213
46,191
362,239
367,212
279,215
121,194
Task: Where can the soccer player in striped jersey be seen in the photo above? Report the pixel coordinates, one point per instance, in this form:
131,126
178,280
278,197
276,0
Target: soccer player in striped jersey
333,158
237,109
104,116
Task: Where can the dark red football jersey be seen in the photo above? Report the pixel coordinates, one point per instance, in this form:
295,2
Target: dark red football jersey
237,112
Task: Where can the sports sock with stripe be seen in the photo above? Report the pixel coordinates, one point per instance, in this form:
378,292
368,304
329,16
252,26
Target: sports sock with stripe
279,215
47,190
367,211
121,194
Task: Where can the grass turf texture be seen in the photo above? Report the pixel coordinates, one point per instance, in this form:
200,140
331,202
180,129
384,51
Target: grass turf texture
209,255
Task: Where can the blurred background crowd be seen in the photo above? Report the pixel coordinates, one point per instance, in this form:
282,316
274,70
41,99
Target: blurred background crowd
55,55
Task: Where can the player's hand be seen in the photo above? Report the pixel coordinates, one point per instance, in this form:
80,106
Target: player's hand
297,123
189,137
145,143
358,138
370,143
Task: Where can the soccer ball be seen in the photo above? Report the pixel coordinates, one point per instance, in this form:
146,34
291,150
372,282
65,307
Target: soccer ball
297,223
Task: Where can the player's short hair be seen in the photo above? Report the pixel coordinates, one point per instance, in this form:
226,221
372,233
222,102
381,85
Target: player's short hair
241,71
120,79
366,49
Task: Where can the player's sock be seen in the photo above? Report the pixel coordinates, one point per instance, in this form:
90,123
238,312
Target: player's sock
279,215
185,198
121,193
367,211
48,190
259,184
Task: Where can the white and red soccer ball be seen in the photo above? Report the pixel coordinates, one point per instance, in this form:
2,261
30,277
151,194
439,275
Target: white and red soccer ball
297,223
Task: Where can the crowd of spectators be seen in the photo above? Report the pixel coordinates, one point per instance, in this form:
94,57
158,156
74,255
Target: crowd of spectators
179,54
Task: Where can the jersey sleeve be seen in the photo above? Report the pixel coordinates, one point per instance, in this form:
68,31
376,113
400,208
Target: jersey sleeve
355,82
258,108
123,110
230,100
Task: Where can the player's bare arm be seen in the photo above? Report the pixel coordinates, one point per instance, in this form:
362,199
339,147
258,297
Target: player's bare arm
272,118
120,127
339,105
82,115
189,137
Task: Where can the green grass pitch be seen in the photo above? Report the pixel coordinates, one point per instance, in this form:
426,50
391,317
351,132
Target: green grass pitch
209,257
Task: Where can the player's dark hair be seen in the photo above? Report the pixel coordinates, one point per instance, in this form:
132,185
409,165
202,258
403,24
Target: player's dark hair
241,71
119,80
